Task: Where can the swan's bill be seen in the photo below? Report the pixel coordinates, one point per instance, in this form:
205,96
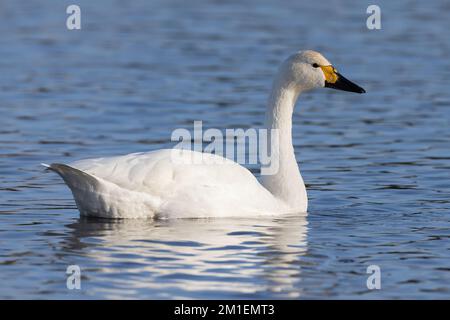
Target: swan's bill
335,80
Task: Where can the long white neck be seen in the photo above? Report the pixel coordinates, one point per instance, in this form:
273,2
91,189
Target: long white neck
286,183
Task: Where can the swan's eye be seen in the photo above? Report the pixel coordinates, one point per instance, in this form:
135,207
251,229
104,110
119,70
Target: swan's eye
315,65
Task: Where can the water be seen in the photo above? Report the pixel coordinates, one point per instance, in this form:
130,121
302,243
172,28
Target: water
376,165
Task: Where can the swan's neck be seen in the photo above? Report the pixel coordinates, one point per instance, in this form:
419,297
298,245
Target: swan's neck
286,183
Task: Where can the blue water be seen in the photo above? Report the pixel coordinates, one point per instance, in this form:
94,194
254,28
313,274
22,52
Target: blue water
377,166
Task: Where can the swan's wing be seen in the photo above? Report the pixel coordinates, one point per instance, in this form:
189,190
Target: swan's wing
186,186
159,172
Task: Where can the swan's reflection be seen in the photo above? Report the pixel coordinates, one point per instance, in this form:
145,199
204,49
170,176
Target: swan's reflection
193,258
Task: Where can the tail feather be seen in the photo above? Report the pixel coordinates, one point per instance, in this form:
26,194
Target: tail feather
95,196
75,178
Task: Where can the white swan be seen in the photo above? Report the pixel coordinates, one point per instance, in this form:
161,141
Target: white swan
165,184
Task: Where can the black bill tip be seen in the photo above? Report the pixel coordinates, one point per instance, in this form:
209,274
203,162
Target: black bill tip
344,84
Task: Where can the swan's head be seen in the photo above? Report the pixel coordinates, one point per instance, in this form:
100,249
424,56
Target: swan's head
308,70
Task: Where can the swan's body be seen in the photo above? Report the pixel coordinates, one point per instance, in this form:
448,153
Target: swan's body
156,184
167,184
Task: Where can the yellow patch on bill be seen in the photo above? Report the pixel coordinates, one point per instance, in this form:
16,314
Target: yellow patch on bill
330,73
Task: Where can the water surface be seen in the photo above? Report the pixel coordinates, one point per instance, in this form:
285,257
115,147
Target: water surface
376,165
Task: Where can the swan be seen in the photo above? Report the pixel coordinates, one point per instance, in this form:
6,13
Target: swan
164,184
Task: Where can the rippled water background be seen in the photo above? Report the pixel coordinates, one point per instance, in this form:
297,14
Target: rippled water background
376,165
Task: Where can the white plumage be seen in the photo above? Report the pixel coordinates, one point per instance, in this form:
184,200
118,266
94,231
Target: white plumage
155,184
168,184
